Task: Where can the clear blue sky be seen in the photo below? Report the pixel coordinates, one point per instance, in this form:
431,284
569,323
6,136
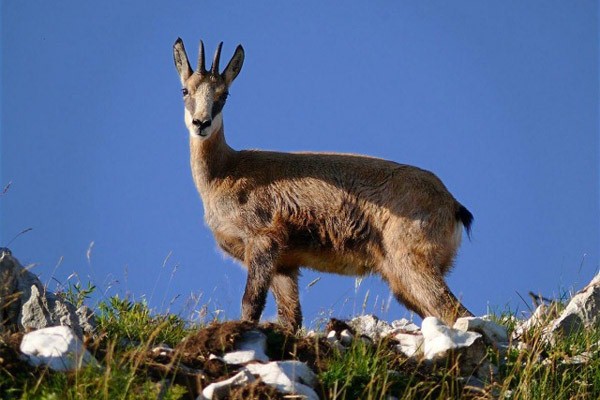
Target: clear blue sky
499,99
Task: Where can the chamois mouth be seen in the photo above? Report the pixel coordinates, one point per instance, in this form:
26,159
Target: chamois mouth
200,132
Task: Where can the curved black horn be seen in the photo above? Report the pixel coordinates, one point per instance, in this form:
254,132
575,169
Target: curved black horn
201,64
215,65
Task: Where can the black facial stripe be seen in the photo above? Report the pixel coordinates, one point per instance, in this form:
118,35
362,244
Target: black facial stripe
218,105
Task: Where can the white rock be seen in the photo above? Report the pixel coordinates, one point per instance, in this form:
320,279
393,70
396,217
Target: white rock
410,343
250,347
538,318
57,347
287,376
346,337
218,390
491,331
314,334
583,311
404,325
163,350
331,336
333,340
370,326
439,338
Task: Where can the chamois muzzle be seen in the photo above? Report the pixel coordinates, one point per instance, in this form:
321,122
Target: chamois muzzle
201,125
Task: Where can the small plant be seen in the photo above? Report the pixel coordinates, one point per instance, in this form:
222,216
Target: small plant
134,322
120,378
77,294
363,372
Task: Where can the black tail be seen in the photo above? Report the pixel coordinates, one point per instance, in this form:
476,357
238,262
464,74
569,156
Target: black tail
465,216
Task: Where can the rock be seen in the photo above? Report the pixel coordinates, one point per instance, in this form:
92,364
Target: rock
86,319
163,351
57,347
25,303
9,309
346,337
314,334
404,325
410,344
221,389
251,346
338,325
540,316
292,377
493,333
334,341
370,326
331,336
583,311
439,339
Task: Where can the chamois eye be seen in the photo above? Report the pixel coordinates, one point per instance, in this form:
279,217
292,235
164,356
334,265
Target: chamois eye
184,91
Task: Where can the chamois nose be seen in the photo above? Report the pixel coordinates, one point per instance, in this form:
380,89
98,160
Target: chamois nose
201,124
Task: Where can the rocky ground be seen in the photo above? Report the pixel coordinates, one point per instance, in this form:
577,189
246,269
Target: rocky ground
241,360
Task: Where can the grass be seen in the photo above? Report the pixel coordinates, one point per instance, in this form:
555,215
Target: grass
128,330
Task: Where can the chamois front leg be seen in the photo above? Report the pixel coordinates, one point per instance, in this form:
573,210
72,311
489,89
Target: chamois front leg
260,259
285,289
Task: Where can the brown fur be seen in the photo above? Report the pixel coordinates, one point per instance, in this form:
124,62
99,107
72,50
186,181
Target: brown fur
340,213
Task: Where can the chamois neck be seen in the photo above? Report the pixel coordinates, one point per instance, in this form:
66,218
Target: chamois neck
209,158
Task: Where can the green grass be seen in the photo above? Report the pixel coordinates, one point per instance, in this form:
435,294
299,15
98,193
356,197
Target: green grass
134,322
128,330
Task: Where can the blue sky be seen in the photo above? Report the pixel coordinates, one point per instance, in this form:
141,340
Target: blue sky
499,99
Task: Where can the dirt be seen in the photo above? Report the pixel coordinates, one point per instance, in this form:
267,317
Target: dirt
13,370
217,339
338,326
255,390
284,345
10,362
191,366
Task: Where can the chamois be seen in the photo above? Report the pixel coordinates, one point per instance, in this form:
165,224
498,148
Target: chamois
341,213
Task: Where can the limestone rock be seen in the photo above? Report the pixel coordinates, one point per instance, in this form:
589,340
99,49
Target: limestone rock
439,339
57,347
540,316
9,295
404,325
370,326
491,331
26,304
583,311
292,377
346,337
333,338
250,347
218,390
410,344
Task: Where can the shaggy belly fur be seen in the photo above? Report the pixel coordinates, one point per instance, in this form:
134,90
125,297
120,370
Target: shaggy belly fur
327,261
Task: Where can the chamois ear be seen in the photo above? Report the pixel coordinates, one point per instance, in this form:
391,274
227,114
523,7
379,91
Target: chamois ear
235,65
181,61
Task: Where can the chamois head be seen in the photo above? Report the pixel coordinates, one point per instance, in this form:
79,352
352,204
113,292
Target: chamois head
205,92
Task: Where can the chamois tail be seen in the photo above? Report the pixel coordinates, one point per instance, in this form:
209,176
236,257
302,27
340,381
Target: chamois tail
465,217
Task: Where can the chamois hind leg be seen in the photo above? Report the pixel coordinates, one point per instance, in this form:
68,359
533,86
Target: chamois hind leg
423,289
285,289
260,258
